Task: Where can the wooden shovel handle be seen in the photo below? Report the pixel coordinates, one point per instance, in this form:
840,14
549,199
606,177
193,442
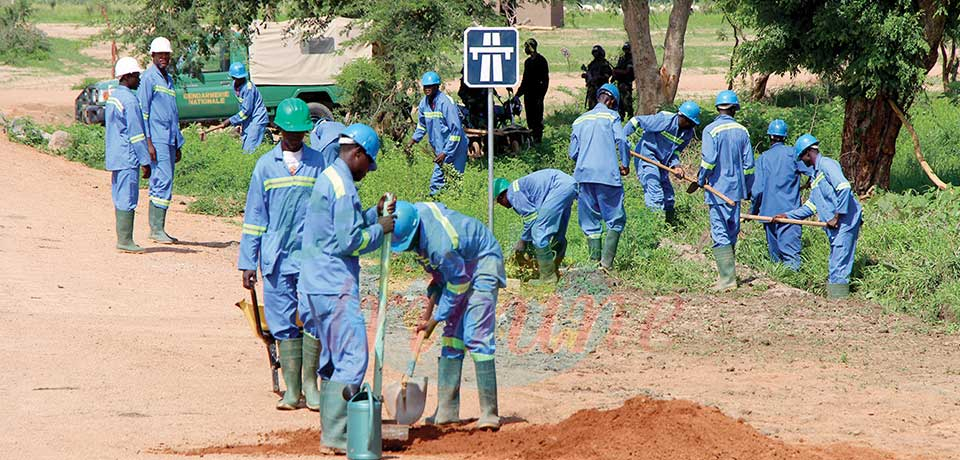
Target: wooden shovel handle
757,218
706,187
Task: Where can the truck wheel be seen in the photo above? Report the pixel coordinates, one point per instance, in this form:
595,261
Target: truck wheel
318,111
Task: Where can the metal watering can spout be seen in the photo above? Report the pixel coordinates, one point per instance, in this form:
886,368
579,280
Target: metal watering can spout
364,437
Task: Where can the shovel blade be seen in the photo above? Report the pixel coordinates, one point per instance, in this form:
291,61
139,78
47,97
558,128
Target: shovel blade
406,406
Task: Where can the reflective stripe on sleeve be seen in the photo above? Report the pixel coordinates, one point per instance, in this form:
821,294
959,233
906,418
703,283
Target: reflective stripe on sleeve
255,230
137,138
336,181
446,224
516,186
810,205
843,186
530,217
749,171
164,90
707,166
364,243
455,138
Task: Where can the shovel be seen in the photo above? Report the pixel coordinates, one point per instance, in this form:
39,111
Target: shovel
404,400
693,183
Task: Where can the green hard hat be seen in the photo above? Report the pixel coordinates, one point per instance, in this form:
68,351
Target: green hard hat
293,116
499,186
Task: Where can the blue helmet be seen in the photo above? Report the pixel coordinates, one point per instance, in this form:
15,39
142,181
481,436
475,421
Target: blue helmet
238,70
777,128
365,137
408,220
806,141
430,78
612,89
728,97
691,110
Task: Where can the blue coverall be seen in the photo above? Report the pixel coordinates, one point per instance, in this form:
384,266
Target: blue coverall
776,190
465,261
252,117
727,165
830,196
662,140
596,141
158,100
126,150
337,231
543,200
273,222
325,138
439,119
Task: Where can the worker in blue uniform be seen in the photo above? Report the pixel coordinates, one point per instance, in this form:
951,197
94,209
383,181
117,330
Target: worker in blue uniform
325,138
832,199
158,101
665,135
543,200
336,232
466,264
126,150
776,190
601,153
727,165
439,119
252,116
273,221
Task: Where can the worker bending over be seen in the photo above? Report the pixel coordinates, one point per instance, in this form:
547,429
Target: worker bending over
466,264
337,231
776,190
126,152
834,202
325,138
727,165
439,119
543,201
665,135
273,219
601,152
252,117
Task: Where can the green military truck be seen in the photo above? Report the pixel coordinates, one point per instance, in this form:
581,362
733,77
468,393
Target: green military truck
280,67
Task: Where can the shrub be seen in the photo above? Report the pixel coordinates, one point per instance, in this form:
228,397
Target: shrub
19,39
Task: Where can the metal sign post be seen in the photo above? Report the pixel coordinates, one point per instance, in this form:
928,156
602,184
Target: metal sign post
491,59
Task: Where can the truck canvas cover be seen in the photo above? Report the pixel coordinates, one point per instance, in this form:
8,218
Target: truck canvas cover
291,60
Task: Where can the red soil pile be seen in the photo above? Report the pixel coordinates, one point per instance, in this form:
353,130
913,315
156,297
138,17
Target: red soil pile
641,428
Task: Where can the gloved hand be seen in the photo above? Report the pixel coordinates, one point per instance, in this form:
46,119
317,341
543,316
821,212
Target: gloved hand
387,223
249,278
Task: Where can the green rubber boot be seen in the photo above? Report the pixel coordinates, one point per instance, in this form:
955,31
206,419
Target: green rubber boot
291,359
158,221
610,249
333,416
838,291
560,248
448,391
487,390
595,246
311,357
671,217
726,267
125,232
546,258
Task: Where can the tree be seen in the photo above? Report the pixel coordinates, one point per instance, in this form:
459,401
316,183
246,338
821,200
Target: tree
949,61
656,84
875,51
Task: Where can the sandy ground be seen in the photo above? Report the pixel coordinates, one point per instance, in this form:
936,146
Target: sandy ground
116,356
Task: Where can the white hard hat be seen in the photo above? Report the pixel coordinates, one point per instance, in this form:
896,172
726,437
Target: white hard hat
126,65
160,45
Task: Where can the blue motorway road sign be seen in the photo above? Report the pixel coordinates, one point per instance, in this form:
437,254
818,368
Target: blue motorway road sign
491,57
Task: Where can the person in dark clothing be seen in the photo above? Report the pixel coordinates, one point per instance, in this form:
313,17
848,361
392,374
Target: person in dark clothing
623,76
475,100
533,87
596,74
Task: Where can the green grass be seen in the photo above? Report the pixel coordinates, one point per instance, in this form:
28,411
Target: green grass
85,12
63,58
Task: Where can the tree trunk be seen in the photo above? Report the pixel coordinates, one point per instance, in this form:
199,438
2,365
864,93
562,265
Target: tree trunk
759,90
636,19
870,129
673,50
945,67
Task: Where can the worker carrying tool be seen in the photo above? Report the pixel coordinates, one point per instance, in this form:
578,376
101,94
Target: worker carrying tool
543,201
465,261
665,135
252,117
336,232
273,219
832,199
125,151
533,87
325,138
776,190
595,143
596,74
439,119
158,101
727,165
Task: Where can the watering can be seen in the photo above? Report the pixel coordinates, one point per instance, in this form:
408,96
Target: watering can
364,440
